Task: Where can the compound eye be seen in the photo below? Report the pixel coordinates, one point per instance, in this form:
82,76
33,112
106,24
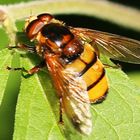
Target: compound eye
33,28
45,17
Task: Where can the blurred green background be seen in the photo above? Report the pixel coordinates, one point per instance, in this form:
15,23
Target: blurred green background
7,109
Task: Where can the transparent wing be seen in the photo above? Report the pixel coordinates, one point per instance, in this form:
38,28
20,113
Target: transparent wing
114,46
76,102
72,90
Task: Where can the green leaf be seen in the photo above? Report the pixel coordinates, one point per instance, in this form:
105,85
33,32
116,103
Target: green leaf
5,60
35,118
37,113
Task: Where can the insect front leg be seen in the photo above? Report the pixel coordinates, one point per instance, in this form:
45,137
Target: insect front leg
23,47
117,66
30,72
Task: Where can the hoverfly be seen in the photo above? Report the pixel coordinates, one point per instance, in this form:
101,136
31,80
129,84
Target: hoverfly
77,73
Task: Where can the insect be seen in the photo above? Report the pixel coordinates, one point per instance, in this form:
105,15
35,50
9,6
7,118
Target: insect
72,57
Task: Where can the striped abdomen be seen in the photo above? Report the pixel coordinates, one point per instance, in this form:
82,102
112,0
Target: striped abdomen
93,73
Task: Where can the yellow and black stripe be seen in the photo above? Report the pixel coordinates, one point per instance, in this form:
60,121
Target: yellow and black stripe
92,71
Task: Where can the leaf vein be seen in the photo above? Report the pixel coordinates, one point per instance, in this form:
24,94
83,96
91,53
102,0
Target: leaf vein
29,113
109,123
125,102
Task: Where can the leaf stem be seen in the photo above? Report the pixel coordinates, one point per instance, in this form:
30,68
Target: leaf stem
113,12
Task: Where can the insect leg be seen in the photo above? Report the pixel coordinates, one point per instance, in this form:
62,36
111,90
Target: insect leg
14,69
31,71
117,66
36,68
61,111
24,47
